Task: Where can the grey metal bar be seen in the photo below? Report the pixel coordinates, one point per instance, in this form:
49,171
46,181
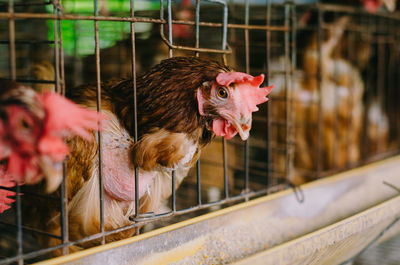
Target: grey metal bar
173,186
197,45
291,126
267,78
29,42
30,229
319,80
56,51
169,19
287,67
19,224
13,75
11,36
349,123
224,46
60,88
135,125
98,134
225,165
135,19
380,82
64,209
61,55
28,3
198,175
365,140
247,55
335,115
225,27
197,26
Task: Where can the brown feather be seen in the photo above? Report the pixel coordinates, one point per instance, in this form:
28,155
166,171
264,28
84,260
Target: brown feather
171,134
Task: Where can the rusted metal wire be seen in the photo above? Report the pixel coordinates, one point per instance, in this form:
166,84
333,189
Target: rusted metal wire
273,172
11,36
267,78
319,152
288,92
135,123
247,60
98,133
136,19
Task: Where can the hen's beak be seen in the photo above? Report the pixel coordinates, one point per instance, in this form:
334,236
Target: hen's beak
52,172
234,125
243,127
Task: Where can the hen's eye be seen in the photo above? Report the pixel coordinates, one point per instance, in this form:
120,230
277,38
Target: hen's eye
222,93
25,124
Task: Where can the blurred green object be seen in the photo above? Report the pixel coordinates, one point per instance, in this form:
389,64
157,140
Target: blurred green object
78,35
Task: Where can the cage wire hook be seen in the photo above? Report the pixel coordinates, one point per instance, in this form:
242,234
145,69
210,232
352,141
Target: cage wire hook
393,223
298,192
58,6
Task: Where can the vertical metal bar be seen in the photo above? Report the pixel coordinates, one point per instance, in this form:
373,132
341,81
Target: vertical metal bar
19,224
287,91
64,210
135,125
291,113
381,70
393,58
225,165
224,40
197,45
337,140
319,79
56,50
224,30
170,39
173,198
198,182
246,36
350,130
247,54
11,36
267,78
60,87
98,134
61,54
197,26
162,17
365,144
13,76
225,26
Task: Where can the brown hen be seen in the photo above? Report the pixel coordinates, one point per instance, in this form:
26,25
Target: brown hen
181,104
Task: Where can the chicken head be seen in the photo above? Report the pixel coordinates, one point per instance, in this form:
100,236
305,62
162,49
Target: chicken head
230,100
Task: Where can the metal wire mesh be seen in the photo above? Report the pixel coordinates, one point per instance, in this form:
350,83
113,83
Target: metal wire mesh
97,42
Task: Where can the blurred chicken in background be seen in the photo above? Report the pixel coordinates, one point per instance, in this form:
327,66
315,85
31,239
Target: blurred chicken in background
339,93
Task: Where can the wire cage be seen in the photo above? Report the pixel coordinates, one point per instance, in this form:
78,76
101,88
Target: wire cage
334,105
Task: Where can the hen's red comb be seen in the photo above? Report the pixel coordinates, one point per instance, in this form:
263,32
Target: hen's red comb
64,118
252,93
5,181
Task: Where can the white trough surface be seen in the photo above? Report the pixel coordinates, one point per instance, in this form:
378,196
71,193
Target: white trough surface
340,216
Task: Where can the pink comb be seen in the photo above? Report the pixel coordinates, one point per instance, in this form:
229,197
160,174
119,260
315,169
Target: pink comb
249,86
5,181
63,118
